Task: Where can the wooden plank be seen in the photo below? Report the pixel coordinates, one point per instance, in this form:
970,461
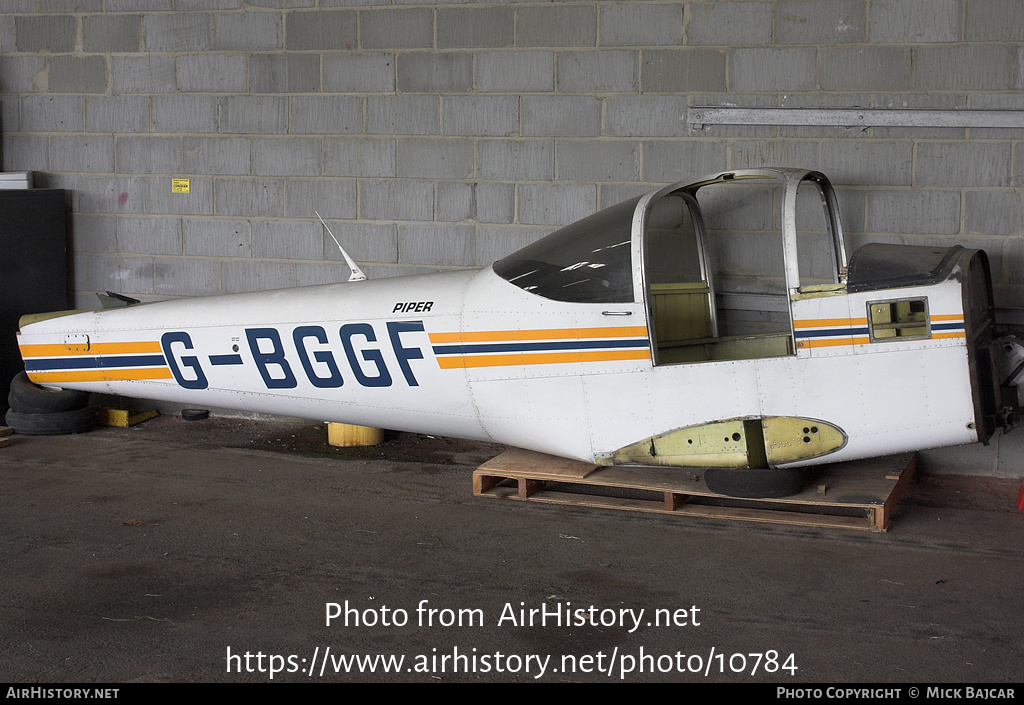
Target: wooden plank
705,511
883,516
853,495
539,465
528,487
482,483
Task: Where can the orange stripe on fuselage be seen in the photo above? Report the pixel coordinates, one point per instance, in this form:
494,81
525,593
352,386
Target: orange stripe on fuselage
101,375
58,350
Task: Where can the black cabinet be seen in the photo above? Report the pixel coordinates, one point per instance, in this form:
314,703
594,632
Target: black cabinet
33,266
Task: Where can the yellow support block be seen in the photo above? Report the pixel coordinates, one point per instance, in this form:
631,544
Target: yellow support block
345,435
123,418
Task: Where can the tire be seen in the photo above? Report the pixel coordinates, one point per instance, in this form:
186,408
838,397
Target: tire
194,414
28,397
18,405
754,483
56,423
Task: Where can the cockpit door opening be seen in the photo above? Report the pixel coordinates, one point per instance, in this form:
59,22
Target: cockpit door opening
715,275
724,257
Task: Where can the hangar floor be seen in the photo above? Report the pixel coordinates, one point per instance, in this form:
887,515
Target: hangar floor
215,550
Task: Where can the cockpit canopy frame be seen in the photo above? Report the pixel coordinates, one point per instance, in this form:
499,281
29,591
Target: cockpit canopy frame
603,258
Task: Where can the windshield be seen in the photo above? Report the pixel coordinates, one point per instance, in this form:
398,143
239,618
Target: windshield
586,262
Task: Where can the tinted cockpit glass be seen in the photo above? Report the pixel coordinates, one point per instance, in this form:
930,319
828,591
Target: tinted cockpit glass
586,262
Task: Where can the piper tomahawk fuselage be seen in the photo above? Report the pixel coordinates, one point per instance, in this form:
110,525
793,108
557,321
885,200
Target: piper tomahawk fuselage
715,323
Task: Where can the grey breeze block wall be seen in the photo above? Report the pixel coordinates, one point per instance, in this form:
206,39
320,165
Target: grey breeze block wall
444,135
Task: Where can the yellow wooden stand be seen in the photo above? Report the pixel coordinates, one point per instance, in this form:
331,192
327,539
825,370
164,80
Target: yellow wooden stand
124,418
346,435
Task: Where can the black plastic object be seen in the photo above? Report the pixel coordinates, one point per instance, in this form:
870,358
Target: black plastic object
881,266
754,483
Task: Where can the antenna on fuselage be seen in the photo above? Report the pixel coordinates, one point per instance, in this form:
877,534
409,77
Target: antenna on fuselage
357,274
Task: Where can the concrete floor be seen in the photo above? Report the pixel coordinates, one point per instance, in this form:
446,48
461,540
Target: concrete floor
155,553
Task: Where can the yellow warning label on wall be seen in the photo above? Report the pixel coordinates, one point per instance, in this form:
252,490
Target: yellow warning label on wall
179,185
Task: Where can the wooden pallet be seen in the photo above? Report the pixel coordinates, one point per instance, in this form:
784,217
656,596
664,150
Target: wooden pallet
859,494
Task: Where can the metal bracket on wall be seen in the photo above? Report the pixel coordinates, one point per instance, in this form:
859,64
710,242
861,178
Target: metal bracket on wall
702,117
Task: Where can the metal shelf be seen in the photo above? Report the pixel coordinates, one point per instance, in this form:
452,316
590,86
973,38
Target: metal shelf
699,117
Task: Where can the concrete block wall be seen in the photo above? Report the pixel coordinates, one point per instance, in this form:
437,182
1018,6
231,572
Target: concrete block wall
440,135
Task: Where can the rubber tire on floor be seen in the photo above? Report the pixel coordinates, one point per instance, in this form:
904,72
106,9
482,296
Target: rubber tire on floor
18,405
52,424
28,397
754,483
195,414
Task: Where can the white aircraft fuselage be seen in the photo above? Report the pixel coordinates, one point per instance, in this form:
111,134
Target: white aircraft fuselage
621,356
